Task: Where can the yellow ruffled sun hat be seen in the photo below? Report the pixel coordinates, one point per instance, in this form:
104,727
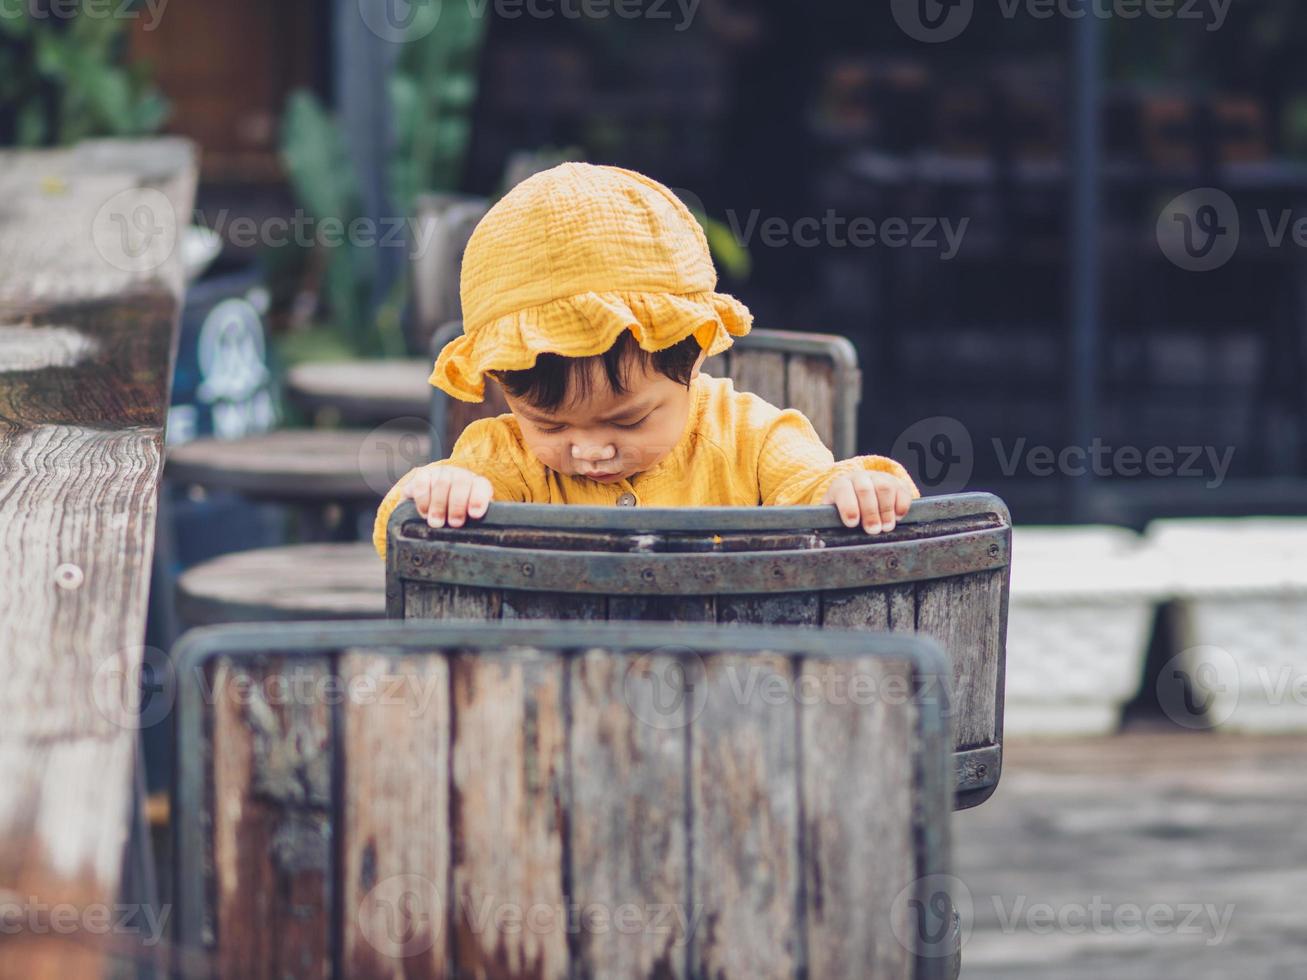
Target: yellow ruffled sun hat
570,258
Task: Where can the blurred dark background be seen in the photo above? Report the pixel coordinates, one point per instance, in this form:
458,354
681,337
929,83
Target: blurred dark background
1059,140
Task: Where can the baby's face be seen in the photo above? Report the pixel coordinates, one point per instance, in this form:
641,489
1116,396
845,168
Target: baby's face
608,437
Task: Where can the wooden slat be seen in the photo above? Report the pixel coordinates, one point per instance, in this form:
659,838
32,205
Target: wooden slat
856,609
438,601
962,614
86,333
745,821
396,842
858,733
524,604
510,801
902,608
809,387
783,609
761,372
667,608
272,839
629,854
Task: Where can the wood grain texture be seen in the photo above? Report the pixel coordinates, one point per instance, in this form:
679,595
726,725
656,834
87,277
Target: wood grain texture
86,336
422,601
396,842
365,393
299,465
745,821
524,604
307,581
272,836
855,609
962,614
857,729
809,387
782,609
761,372
510,805
667,608
629,848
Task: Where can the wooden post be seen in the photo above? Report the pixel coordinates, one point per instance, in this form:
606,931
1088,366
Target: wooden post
90,290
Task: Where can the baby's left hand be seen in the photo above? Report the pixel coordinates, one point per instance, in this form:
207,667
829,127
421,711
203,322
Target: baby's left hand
878,498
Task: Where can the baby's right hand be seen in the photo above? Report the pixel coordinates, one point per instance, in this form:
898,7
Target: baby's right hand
451,492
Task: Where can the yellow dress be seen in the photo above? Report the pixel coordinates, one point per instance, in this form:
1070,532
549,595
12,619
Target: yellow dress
736,450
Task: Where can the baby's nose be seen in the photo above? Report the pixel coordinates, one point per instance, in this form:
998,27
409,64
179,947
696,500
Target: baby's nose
592,454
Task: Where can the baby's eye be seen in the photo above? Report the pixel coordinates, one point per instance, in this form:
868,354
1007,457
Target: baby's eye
553,431
633,425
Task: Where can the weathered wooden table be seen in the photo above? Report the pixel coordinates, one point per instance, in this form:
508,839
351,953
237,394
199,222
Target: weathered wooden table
365,393
90,290
309,469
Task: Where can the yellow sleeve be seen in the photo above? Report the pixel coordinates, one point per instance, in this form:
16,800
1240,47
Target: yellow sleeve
486,447
795,467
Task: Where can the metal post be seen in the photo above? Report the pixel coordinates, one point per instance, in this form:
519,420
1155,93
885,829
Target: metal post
1086,209
365,60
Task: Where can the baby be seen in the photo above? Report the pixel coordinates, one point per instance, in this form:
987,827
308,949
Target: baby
589,296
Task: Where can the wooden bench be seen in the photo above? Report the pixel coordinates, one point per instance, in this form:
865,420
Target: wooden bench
943,571
523,800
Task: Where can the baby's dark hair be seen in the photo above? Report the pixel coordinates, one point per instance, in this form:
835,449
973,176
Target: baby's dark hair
545,385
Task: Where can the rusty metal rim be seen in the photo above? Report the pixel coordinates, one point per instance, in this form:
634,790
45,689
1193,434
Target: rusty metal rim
705,573
578,517
198,647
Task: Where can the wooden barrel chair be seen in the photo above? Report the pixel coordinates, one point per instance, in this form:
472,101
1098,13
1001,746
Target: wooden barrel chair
816,373
376,800
942,572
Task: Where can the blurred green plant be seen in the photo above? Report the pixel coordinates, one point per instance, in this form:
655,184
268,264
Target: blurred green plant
63,79
432,91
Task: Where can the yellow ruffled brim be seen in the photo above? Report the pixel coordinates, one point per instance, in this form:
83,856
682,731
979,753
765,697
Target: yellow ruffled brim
584,325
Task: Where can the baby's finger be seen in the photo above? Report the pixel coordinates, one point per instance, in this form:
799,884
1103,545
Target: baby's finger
482,493
460,488
845,500
867,503
440,481
418,487
885,494
902,501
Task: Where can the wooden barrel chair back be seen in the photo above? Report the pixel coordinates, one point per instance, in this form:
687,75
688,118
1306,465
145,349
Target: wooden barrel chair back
373,800
813,372
942,572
